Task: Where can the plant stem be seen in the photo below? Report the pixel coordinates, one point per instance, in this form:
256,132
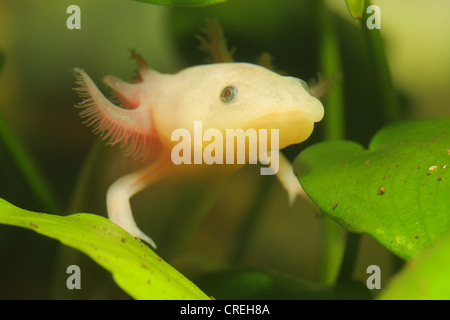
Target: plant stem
380,68
333,235
330,65
34,178
350,256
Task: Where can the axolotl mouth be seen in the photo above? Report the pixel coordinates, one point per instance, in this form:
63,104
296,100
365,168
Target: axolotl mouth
295,125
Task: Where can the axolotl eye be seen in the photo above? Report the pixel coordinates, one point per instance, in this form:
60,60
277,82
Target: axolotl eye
228,94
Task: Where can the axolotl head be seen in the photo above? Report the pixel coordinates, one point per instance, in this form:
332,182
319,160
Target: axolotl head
222,96
238,95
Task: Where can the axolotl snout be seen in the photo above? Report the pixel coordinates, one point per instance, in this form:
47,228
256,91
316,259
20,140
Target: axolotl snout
222,96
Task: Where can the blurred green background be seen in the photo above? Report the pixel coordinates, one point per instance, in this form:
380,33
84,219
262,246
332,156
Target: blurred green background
36,100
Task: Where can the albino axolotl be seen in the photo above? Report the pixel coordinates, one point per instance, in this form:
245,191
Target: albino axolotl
221,95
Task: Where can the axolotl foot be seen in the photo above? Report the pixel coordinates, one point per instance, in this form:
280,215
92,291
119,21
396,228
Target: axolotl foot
119,212
137,233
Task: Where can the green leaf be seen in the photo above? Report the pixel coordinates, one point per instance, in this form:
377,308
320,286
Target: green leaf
356,8
397,191
424,278
135,268
183,3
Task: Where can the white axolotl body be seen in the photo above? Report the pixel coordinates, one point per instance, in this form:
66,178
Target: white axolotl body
222,96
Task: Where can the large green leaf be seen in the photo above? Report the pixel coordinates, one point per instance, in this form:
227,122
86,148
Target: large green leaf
424,278
135,268
398,191
183,3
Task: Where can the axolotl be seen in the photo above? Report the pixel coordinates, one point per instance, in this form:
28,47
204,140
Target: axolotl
221,95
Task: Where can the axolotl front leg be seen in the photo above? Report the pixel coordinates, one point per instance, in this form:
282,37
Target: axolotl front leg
130,126
120,192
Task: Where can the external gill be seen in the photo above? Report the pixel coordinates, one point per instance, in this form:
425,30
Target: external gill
128,127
